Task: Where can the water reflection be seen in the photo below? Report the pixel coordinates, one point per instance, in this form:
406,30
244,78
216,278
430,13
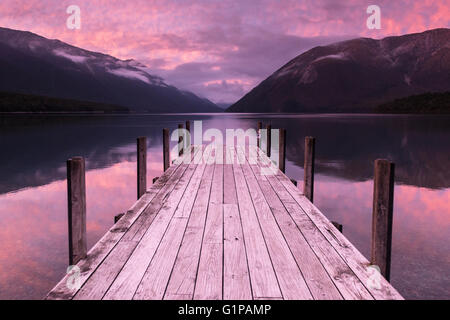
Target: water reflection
33,214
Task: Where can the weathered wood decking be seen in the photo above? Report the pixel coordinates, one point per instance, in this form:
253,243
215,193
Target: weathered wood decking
236,229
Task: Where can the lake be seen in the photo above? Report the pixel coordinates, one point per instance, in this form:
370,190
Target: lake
33,191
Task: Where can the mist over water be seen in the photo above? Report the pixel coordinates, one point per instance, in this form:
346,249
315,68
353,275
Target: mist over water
33,199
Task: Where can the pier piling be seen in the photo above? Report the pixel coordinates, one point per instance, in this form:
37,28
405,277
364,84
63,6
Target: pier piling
258,134
308,180
338,226
383,200
141,166
180,140
118,217
76,196
269,139
282,151
188,135
166,149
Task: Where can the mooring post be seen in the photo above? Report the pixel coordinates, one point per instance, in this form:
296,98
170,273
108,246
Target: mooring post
258,134
118,217
188,135
141,166
383,200
269,140
308,180
282,151
180,140
338,226
76,196
166,149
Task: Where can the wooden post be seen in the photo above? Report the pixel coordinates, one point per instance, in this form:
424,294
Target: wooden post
188,137
141,166
282,151
383,199
118,217
308,181
294,182
166,149
188,126
258,134
338,226
180,140
269,140
76,196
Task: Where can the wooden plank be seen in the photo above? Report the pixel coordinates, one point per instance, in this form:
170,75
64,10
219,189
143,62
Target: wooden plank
262,275
315,275
182,280
76,199
290,279
104,246
127,281
236,280
141,166
354,259
341,275
154,282
169,296
130,235
208,285
230,195
138,229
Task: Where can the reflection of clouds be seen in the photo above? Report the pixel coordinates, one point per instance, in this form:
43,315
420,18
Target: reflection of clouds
33,226
421,231
246,39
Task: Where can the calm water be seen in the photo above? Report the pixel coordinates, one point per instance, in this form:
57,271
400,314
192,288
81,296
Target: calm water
33,213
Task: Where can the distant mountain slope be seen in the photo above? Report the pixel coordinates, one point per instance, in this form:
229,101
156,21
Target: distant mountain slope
355,75
32,64
19,102
438,103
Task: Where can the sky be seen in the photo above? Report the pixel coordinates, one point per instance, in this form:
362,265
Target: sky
218,49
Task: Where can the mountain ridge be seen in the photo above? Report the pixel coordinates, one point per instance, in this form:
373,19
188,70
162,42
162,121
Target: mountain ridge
355,75
32,64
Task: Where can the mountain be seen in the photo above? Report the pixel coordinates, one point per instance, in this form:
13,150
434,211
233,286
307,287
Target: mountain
32,64
355,75
223,105
19,102
429,103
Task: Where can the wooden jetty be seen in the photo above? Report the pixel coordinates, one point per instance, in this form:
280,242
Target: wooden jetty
237,228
